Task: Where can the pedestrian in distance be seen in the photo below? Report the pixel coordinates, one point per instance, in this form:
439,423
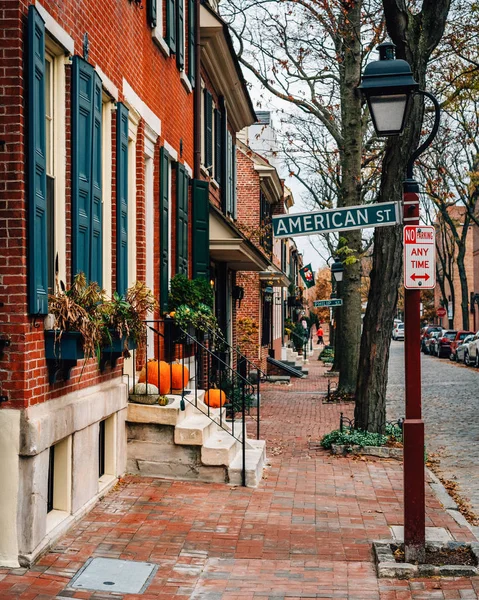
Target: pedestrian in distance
320,334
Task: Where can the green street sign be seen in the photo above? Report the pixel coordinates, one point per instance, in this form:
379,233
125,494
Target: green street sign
329,303
337,219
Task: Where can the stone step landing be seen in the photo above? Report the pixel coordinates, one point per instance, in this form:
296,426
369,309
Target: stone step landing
166,441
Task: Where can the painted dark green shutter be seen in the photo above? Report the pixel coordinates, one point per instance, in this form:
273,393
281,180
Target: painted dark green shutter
164,228
224,157
208,130
218,146
180,34
96,254
191,41
37,178
234,191
171,24
83,89
121,198
229,174
201,229
181,219
151,12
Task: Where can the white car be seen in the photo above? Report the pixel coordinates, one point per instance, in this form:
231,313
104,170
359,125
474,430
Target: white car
471,353
398,331
462,347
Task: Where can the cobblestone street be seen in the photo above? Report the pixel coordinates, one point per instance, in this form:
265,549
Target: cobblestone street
450,400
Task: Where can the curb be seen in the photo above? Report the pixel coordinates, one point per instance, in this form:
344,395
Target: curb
388,567
448,503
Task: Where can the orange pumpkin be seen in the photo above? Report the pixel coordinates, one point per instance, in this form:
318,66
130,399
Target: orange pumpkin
215,398
180,376
158,374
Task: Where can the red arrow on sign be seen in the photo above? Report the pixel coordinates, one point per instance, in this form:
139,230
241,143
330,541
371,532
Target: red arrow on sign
414,277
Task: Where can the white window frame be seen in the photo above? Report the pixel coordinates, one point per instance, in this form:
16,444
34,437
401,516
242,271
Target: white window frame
62,484
157,31
107,108
133,121
55,55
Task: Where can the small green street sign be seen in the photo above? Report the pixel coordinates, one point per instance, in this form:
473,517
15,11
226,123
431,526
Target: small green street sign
329,303
337,219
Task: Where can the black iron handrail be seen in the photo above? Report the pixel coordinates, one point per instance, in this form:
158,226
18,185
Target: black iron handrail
186,346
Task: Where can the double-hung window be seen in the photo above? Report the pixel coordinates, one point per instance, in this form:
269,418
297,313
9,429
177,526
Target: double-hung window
46,163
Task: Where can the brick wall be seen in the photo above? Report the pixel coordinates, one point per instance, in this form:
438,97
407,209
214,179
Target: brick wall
122,46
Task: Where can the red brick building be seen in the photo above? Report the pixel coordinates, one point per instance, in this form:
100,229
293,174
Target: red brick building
97,154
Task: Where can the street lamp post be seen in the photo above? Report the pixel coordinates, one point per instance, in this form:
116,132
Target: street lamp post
388,85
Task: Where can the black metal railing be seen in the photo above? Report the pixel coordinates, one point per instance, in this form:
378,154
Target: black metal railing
165,341
248,370
301,342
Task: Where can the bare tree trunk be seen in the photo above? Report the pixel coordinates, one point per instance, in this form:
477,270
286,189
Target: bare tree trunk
349,330
415,36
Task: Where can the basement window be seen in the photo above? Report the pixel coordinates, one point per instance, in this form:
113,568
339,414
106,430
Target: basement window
59,487
106,451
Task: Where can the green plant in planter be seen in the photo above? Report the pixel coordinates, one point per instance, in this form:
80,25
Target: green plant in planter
191,292
299,335
77,309
125,316
191,303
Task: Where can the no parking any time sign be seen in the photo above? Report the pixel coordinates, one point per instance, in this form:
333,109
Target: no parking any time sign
419,257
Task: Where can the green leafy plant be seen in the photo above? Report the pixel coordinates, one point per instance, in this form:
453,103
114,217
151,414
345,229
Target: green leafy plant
298,337
233,388
201,317
353,437
126,315
190,292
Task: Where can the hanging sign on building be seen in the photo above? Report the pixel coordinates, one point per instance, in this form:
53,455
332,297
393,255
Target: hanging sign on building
337,219
419,257
308,275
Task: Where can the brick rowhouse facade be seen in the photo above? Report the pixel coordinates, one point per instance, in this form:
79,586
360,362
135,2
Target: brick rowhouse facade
126,51
260,195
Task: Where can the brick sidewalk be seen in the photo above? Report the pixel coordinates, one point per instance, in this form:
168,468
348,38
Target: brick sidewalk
306,532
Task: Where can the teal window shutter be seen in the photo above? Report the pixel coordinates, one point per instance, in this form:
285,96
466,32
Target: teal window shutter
181,219
234,191
121,198
151,12
191,41
37,178
96,254
83,86
208,129
218,146
229,178
180,34
201,229
164,228
171,24
224,156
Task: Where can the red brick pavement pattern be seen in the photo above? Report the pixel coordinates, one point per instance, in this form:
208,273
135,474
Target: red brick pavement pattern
306,532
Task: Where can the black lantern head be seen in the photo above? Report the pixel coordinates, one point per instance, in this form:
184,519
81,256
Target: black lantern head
337,269
388,85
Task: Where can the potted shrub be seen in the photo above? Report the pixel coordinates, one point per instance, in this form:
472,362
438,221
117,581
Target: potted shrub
190,303
124,319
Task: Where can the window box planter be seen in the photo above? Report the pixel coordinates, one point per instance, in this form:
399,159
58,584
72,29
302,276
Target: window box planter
62,354
110,354
174,333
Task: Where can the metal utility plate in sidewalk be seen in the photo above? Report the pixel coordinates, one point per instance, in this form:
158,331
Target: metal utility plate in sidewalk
114,575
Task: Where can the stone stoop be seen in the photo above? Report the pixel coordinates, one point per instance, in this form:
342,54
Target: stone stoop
164,441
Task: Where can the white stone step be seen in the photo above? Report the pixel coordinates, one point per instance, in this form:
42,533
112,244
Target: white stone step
255,460
194,430
219,449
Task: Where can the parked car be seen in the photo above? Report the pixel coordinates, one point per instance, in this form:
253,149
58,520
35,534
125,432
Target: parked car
429,341
471,355
462,346
460,336
398,331
426,334
442,343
